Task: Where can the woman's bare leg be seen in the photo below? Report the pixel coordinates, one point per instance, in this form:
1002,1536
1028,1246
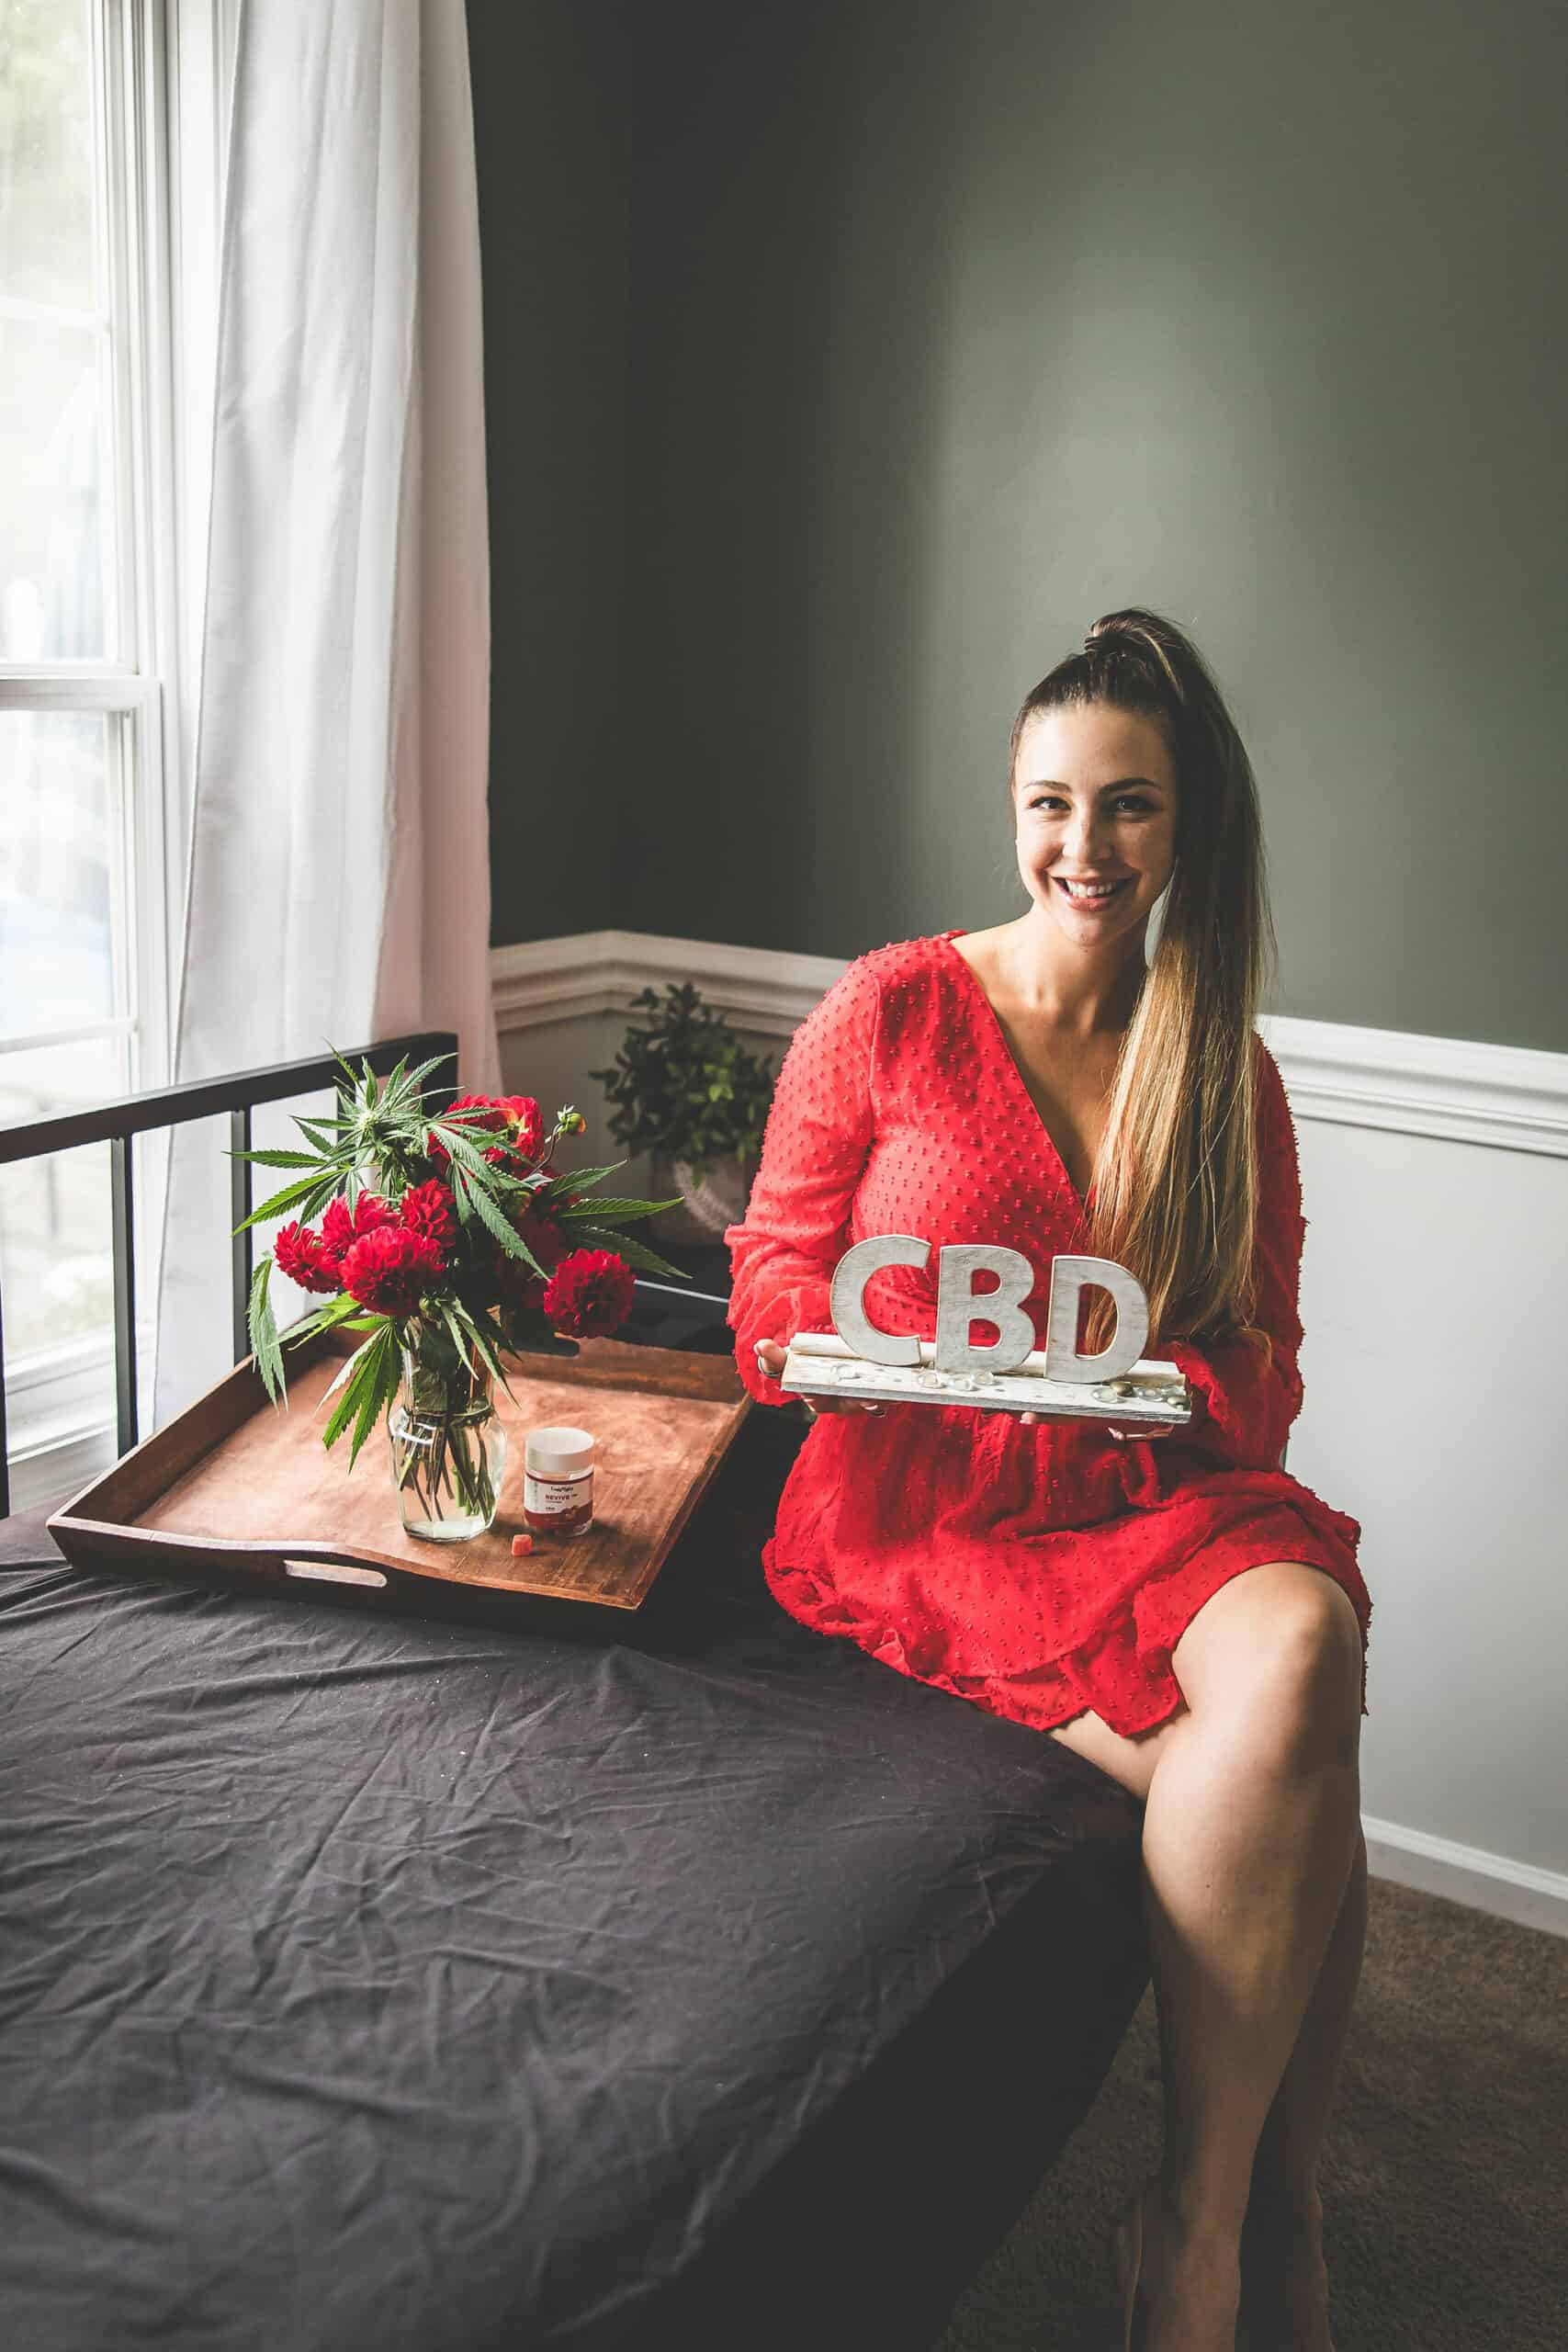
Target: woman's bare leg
1284,2282
1251,1829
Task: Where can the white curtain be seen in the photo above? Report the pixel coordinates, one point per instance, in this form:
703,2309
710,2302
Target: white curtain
339,883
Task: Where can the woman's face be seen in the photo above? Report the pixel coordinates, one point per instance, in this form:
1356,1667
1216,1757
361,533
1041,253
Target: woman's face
1095,799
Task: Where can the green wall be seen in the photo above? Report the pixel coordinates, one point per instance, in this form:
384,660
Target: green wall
948,327
550,83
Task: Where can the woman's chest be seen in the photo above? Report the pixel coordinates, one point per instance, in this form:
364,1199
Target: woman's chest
971,1099
966,1147
1068,1088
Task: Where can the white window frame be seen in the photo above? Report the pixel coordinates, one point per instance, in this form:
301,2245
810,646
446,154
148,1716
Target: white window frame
163,69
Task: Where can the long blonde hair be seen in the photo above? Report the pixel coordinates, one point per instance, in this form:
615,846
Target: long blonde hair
1175,1195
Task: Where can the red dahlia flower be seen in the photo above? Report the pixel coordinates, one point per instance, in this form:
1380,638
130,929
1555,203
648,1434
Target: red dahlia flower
515,1119
592,1291
386,1269
297,1251
428,1209
472,1112
524,1124
341,1229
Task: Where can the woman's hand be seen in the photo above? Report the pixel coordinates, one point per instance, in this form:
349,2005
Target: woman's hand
771,1363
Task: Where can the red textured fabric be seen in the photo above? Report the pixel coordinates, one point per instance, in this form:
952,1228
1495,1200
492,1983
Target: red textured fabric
1036,1571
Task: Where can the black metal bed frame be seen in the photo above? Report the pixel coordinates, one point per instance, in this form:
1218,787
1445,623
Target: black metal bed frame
117,1123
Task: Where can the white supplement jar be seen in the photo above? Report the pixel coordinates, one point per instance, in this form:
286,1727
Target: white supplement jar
558,1481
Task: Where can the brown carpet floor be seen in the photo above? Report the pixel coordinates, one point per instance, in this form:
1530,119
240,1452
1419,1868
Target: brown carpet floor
1445,2180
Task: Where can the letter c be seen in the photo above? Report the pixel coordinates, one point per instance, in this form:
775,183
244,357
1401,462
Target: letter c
846,1306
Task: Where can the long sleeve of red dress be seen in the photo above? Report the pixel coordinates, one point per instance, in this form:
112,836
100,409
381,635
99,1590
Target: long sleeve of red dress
1035,1570
1249,1400
819,1132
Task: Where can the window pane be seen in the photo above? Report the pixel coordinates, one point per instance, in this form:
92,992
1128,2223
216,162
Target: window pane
48,243
57,512
59,853
56,1270
56,517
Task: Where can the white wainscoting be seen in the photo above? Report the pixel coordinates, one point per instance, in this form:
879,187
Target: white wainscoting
1434,1290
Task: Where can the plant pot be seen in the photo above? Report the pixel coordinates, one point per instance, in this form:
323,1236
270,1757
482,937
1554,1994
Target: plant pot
711,1200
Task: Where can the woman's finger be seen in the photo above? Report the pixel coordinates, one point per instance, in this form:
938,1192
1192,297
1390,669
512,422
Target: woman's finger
771,1357
815,1407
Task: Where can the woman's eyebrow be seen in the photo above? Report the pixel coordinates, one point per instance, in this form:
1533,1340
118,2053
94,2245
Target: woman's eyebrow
1049,784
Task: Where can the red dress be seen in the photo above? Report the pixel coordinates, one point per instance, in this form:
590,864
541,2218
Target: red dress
1040,1570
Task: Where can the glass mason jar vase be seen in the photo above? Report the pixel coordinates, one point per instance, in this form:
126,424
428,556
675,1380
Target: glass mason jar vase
448,1445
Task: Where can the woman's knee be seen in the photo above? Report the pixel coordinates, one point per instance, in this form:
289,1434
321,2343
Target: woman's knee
1318,1698
1280,1645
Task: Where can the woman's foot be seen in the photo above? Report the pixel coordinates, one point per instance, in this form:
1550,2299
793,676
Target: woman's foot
1284,2280
1190,2285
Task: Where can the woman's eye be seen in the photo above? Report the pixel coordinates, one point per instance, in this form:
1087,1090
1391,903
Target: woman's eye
1123,801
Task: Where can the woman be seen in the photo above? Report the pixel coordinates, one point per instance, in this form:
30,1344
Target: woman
1170,1603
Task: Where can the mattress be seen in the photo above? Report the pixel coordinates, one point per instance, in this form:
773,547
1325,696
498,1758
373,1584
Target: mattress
372,1982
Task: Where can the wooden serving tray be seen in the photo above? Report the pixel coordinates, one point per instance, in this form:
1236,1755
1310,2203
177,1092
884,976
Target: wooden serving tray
236,1491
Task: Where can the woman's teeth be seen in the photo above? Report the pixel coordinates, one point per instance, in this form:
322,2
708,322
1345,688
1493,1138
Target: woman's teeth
1090,893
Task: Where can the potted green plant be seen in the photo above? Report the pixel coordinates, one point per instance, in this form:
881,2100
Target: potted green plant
685,1089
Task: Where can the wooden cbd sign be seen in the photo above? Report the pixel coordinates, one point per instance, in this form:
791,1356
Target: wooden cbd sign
959,1304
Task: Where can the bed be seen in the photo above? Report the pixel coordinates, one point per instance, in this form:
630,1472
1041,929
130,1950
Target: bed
372,1982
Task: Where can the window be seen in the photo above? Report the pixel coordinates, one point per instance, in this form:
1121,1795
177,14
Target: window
109,153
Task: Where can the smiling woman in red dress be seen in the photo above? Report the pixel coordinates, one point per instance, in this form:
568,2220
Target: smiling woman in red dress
1172,1604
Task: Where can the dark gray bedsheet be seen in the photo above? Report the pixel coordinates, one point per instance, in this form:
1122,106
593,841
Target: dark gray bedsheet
369,1981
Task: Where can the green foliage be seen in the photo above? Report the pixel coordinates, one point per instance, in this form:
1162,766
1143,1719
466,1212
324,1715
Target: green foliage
682,1085
370,1381
379,1139
263,1332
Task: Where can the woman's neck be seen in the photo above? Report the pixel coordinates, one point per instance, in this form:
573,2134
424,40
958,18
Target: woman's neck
1079,995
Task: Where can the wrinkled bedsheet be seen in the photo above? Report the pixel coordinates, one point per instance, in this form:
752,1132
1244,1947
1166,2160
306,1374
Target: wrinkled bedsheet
366,1981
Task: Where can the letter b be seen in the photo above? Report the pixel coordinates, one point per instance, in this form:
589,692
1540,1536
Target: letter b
958,1305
